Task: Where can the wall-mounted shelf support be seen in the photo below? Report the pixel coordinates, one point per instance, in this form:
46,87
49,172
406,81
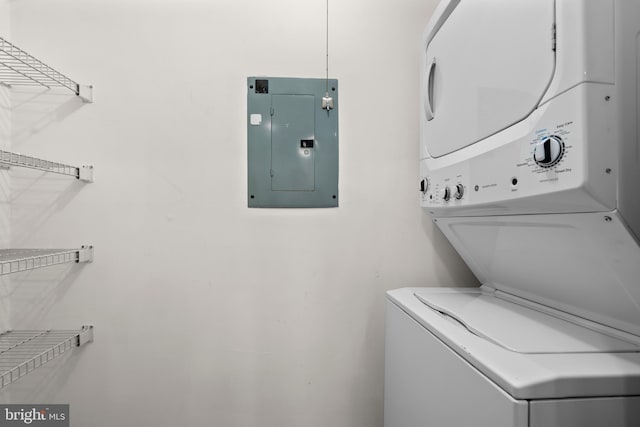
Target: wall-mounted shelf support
85,92
85,254
21,352
17,260
18,68
83,173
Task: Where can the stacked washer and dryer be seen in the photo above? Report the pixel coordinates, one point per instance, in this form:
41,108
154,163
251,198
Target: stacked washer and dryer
530,164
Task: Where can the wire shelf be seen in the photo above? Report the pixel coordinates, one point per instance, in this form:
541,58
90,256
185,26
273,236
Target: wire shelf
17,260
21,352
83,173
18,68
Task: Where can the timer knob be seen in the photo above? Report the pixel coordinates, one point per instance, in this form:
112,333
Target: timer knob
549,152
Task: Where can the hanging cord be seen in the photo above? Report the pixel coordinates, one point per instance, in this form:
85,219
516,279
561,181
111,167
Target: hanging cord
327,101
327,48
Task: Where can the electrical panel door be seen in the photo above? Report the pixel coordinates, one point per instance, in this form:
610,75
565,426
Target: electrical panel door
292,142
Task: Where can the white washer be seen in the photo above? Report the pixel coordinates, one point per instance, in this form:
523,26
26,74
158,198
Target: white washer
530,159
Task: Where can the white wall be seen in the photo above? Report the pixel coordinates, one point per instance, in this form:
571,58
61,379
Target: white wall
5,186
207,312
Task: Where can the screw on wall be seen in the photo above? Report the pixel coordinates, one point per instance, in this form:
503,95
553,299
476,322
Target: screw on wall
608,219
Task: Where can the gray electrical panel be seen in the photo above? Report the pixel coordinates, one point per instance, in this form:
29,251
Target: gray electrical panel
292,132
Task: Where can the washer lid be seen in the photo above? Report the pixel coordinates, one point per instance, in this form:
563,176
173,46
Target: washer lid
486,66
583,264
552,375
518,328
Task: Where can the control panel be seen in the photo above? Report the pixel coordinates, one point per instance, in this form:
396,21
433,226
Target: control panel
539,162
562,158
545,161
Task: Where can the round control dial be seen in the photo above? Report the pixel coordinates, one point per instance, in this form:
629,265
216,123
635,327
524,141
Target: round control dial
549,152
446,194
424,185
459,191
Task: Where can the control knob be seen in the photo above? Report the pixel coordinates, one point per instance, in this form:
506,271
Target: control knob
549,152
459,191
424,185
446,194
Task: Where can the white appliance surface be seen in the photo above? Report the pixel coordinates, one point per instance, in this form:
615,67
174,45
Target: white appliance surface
590,105
529,165
552,370
535,209
518,328
477,76
583,264
499,175
427,383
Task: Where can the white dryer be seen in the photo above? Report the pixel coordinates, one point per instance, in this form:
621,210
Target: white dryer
530,164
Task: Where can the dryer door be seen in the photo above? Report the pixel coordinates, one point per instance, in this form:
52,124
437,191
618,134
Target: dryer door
485,66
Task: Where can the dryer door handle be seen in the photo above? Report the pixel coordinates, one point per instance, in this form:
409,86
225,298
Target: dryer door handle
428,93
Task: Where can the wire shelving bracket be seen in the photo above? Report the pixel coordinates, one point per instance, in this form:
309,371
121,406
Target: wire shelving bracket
22,352
18,260
83,173
18,68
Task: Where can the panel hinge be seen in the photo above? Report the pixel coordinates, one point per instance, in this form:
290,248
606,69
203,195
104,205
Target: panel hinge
553,37
272,111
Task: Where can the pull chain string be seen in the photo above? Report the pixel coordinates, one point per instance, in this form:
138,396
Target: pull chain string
327,47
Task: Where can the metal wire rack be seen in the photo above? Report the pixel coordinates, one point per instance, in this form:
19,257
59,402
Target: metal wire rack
83,173
21,352
18,68
17,260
